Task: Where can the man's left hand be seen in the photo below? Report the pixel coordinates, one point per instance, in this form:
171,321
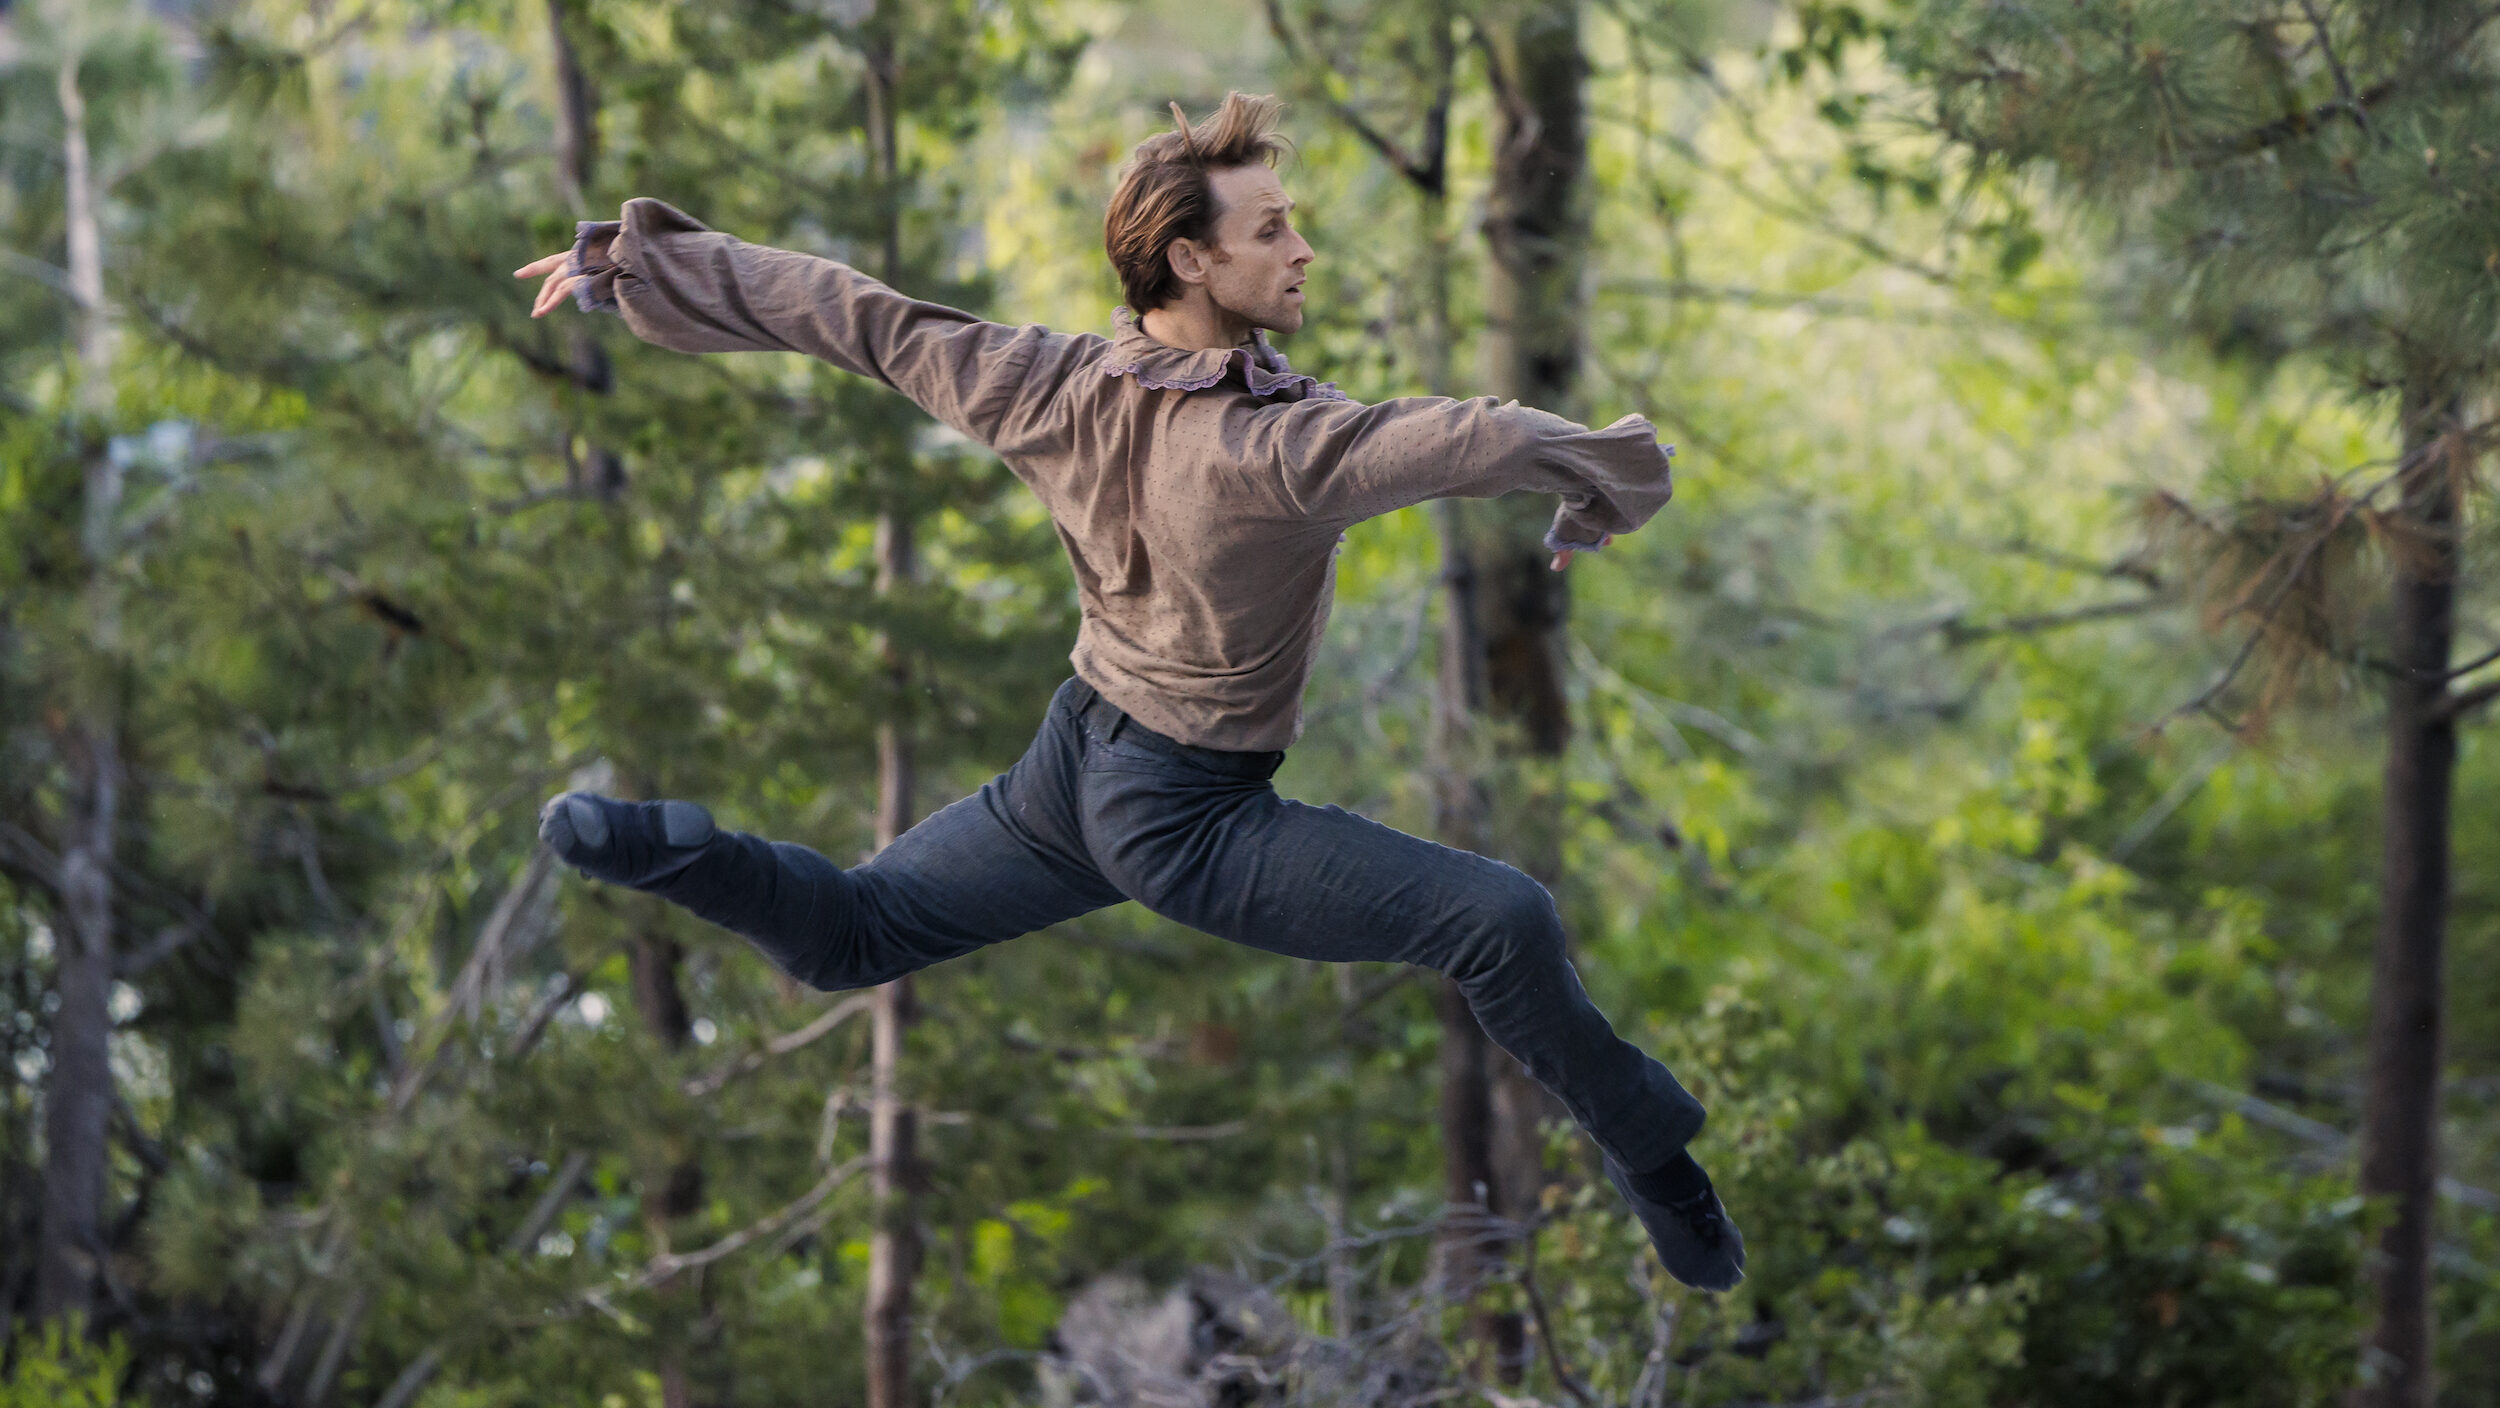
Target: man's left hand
559,281
1563,559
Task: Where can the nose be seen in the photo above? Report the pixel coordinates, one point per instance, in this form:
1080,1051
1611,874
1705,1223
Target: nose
1304,253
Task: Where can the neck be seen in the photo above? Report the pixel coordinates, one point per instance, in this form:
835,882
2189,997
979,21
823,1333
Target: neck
1195,324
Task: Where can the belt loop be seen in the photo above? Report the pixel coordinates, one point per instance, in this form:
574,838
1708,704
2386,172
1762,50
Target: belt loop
1112,734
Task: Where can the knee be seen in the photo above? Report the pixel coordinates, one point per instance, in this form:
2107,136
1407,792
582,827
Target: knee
1513,920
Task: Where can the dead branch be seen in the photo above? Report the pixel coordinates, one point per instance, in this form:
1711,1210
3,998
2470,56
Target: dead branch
1427,172
783,1045
550,1204
1545,1325
667,1264
2458,706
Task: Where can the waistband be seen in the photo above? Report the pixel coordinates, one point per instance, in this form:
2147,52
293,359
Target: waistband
1108,722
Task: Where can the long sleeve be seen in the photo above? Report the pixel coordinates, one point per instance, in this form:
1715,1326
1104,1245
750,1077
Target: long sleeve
1340,462
683,286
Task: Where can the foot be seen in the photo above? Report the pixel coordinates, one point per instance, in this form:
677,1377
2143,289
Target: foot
1686,1222
637,844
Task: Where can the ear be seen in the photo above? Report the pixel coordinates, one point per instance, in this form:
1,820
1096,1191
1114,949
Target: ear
1188,259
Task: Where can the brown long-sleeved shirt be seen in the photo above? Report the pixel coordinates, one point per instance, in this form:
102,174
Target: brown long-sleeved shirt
1201,495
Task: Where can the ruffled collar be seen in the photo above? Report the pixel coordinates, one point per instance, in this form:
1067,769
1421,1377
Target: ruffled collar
1160,368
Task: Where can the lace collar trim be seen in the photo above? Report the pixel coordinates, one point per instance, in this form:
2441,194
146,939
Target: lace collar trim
1160,368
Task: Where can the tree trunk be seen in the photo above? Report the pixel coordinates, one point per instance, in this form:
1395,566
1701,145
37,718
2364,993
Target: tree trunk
893,1126
78,1100
1536,233
2400,1128
894,1244
589,468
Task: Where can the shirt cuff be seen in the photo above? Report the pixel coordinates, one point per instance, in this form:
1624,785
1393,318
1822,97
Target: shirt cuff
1556,542
594,263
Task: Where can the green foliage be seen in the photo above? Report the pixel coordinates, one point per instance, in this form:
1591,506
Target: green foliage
1864,827
54,1366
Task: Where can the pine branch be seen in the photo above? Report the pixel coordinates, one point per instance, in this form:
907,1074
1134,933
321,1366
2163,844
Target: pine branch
2126,569
2282,593
1958,633
2300,124
2335,64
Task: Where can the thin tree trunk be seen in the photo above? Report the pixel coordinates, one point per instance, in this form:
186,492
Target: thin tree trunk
590,467
1343,1279
894,1244
1536,233
597,471
894,1250
1458,798
2400,1128
78,1101
653,964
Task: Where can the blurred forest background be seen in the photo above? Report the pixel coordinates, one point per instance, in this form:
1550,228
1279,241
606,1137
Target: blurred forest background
2015,783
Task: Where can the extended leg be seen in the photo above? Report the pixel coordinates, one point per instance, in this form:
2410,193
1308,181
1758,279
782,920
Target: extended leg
998,864
1233,859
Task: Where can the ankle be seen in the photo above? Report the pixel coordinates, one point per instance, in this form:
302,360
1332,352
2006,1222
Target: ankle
1680,1179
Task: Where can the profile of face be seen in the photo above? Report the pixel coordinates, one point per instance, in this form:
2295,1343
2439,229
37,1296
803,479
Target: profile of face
1254,268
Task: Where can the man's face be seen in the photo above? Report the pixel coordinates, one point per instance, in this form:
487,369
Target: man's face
1255,270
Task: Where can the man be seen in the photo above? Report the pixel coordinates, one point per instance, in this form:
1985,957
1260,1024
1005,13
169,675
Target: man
1201,487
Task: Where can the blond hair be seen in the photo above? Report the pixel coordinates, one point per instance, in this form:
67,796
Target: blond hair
1165,195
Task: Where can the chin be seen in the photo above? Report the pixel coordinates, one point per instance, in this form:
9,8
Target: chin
1285,319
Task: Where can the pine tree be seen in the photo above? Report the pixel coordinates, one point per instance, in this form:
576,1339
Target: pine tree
2314,179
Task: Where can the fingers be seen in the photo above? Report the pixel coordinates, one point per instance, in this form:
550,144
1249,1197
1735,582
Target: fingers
551,294
559,282
1563,559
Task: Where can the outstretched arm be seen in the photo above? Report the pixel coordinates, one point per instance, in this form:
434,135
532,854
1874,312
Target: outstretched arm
683,286
1341,462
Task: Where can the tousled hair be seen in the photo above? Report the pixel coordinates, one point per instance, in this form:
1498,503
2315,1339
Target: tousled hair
1165,193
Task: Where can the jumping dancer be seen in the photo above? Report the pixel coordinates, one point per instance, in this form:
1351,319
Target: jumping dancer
1201,487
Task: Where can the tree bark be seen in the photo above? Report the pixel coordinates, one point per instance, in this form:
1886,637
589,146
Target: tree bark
78,1099
1536,233
2400,1128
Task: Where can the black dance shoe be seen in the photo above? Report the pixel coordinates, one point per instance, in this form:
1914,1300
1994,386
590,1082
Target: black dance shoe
1695,1237
636,844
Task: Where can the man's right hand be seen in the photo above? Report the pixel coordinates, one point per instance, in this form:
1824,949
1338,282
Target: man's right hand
559,285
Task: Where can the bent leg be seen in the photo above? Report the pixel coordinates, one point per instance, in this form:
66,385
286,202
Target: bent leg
1235,860
998,864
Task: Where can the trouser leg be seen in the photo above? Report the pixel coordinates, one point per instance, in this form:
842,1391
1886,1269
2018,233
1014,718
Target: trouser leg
1001,863
1229,857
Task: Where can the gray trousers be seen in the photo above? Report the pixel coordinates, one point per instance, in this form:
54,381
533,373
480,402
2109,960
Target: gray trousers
1100,809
